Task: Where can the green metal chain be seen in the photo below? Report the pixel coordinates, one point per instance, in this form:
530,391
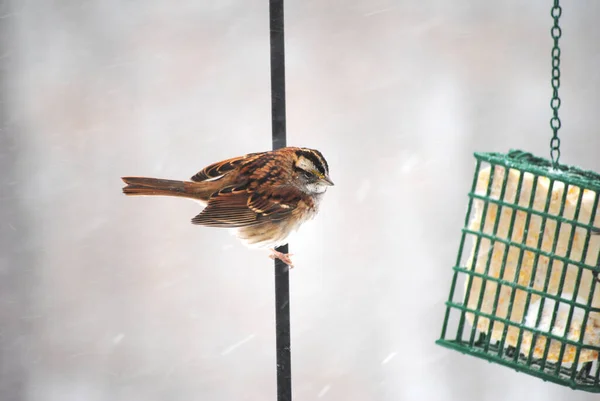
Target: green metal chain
555,102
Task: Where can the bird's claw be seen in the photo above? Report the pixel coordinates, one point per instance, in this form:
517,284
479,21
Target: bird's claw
284,257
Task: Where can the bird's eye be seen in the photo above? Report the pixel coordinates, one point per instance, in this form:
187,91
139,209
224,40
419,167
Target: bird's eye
306,174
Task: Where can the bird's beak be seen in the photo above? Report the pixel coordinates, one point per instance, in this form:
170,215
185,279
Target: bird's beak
327,181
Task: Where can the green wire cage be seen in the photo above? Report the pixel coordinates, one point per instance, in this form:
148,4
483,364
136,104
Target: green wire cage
525,291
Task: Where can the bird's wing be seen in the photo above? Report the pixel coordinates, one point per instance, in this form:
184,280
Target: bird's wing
235,207
275,203
219,169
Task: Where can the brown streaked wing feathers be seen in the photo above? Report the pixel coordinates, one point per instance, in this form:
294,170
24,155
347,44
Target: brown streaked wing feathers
221,168
238,207
227,208
276,204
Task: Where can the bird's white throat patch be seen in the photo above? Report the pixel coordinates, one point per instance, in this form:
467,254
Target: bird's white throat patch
316,187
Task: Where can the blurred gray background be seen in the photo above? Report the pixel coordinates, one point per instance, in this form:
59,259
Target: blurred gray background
108,298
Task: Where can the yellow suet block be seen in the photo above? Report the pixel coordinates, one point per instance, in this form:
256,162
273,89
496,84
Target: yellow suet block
530,236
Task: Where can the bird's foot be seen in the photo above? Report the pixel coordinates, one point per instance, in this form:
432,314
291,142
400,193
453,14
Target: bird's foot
284,257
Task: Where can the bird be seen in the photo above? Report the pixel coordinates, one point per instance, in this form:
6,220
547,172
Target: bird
262,197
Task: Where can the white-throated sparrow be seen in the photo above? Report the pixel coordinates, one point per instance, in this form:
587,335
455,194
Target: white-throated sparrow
262,196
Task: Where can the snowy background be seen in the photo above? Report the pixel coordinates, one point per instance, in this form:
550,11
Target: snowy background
108,298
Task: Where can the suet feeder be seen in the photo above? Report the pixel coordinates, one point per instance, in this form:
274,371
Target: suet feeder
527,265
525,290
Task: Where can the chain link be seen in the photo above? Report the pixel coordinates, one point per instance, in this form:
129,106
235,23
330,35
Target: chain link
555,123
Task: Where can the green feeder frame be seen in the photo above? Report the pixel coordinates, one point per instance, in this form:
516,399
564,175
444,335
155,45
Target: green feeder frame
530,297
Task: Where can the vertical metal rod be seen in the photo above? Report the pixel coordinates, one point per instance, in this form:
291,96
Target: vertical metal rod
282,281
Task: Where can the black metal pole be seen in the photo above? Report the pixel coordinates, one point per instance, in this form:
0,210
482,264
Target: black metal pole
282,280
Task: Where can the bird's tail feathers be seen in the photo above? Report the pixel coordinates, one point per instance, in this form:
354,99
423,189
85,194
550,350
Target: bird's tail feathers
142,186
